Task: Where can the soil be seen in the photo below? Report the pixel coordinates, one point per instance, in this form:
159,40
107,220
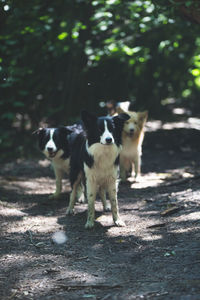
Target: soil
157,254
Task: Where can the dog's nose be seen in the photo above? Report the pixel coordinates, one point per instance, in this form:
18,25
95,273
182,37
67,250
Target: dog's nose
131,130
50,149
108,140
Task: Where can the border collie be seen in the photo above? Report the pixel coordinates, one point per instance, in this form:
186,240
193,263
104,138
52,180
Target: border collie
55,144
95,157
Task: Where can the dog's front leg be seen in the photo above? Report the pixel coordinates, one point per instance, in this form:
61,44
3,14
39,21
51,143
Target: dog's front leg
136,166
122,173
112,193
81,194
73,195
124,167
91,196
59,176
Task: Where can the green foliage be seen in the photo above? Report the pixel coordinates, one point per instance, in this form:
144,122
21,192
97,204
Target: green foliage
59,57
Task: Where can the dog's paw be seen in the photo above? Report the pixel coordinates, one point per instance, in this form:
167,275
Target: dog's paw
138,178
82,199
54,196
120,223
70,211
107,207
89,225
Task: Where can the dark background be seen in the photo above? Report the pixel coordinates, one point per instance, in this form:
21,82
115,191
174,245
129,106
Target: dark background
58,57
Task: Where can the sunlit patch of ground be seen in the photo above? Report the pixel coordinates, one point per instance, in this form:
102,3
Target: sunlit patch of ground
188,123
154,254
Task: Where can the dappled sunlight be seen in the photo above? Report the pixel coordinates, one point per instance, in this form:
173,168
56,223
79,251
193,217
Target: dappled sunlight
10,211
186,222
37,224
43,185
153,125
151,237
150,179
44,163
33,275
57,59
153,179
188,123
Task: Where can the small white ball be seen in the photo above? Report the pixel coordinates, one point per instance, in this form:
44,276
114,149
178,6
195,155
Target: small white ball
59,237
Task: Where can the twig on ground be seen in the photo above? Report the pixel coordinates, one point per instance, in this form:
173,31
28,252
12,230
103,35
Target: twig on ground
84,286
156,225
81,258
182,180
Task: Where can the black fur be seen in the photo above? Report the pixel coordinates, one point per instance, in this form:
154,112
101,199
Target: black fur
117,161
94,128
60,138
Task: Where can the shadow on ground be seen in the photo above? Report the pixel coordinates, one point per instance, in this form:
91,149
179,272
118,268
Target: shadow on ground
153,257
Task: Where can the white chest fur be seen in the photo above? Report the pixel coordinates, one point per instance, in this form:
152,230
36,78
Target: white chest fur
104,169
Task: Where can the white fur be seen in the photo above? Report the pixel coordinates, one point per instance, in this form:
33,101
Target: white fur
60,166
103,169
51,143
106,134
102,177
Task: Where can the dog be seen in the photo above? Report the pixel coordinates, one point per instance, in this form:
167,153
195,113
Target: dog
55,144
95,159
132,139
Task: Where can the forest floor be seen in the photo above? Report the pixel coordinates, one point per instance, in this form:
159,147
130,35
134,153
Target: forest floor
157,254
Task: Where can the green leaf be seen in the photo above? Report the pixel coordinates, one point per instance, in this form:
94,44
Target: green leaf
62,36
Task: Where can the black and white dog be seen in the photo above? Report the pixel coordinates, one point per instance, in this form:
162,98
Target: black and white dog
55,144
95,157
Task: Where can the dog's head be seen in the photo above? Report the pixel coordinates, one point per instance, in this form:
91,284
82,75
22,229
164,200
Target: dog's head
53,141
136,122
104,130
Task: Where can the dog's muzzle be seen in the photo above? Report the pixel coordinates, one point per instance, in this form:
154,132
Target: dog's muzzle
51,153
131,132
108,141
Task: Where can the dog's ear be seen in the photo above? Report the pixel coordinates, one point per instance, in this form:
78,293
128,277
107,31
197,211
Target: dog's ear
64,130
39,131
88,118
120,110
119,125
143,116
120,120
124,116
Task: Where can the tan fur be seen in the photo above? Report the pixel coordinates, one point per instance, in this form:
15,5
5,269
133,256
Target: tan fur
130,156
103,170
60,168
102,177
75,194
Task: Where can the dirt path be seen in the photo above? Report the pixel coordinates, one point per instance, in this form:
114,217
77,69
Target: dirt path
156,256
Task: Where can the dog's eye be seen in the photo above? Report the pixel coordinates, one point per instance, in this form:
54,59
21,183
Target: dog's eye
126,122
135,123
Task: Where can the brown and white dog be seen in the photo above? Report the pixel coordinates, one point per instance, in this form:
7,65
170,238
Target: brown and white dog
132,139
